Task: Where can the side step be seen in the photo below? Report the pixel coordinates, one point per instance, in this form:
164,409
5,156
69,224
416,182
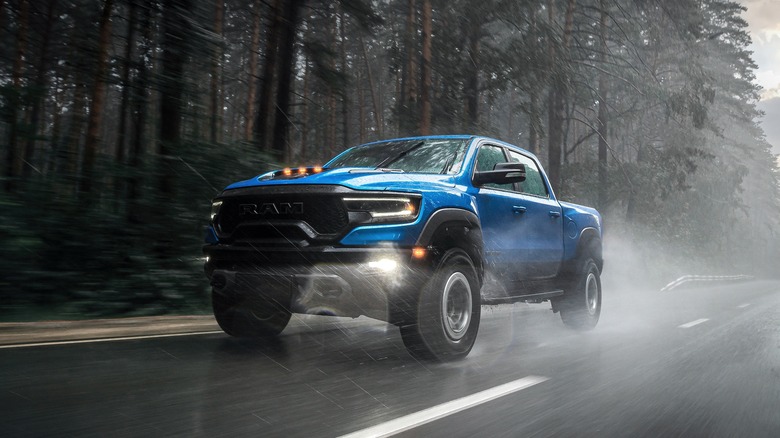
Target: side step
534,298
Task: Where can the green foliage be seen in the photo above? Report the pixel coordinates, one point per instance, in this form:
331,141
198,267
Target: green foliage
106,258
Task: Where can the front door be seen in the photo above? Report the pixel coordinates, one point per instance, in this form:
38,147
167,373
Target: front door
521,226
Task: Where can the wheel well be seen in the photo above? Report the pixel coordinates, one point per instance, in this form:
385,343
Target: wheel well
455,228
463,235
590,244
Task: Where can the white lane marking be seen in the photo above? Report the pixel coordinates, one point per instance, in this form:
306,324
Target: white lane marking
693,323
416,419
742,306
88,341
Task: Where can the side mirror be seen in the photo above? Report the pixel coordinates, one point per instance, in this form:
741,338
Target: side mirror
502,173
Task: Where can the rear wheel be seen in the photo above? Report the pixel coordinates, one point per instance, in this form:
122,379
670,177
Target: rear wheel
581,304
448,311
249,317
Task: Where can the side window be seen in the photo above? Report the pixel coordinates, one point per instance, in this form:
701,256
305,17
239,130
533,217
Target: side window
533,184
487,158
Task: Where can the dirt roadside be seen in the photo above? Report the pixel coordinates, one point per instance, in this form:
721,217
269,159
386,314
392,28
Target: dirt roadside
32,333
14,333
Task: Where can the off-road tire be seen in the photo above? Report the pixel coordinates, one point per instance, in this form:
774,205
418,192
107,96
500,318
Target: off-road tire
580,306
249,317
448,311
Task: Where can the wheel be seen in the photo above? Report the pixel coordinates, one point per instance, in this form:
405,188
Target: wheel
448,311
581,304
249,317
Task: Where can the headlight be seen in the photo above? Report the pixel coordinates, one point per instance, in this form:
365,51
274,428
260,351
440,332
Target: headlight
381,209
215,209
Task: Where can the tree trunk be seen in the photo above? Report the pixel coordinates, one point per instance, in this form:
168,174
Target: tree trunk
125,80
533,126
331,128
472,80
425,92
174,36
77,118
344,95
407,109
215,107
52,158
97,102
253,55
40,89
305,111
281,141
139,115
266,98
331,96
534,141
372,88
14,155
602,115
361,108
557,98
632,207
554,136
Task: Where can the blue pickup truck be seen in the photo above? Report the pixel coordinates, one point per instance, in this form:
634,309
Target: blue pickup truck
419,232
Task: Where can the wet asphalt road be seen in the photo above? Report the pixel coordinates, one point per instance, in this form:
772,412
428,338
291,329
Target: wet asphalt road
646,370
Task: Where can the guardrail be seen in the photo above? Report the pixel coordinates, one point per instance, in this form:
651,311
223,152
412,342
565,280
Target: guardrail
689,278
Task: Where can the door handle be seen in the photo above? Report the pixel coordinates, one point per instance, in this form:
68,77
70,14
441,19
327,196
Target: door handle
555,214
518,209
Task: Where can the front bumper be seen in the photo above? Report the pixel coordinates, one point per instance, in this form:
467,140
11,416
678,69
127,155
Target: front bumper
380,283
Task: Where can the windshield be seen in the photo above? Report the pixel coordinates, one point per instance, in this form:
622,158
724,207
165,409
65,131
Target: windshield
414,156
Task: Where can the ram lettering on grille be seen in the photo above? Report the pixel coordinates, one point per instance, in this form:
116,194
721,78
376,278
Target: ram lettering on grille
270,208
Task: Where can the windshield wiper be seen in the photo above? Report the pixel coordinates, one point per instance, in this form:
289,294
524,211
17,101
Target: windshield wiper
449,162
399,155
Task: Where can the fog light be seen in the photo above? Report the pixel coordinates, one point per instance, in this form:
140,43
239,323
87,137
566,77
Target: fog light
385,265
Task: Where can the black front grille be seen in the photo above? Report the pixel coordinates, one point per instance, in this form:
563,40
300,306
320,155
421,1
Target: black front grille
273,215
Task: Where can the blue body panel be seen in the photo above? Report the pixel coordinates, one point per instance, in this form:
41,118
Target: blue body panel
578,220
541,239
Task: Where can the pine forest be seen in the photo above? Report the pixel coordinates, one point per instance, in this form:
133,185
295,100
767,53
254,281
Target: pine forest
121,119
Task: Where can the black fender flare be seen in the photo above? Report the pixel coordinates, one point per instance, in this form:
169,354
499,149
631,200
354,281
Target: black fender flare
455,227
590,242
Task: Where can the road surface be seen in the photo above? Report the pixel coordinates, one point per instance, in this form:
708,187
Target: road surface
689,362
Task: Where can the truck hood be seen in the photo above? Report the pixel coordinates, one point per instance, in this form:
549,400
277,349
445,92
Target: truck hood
358,178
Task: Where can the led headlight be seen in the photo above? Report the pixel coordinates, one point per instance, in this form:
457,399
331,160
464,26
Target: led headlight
215,209
385,209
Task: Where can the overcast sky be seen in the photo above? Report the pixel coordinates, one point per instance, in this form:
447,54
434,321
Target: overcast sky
763,17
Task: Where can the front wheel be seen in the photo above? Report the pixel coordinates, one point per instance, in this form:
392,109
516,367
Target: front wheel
448,311
581,305
249,317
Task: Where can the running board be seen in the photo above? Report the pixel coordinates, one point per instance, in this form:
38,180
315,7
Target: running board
538,298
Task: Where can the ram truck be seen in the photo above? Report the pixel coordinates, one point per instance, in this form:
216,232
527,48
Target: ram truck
418,232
